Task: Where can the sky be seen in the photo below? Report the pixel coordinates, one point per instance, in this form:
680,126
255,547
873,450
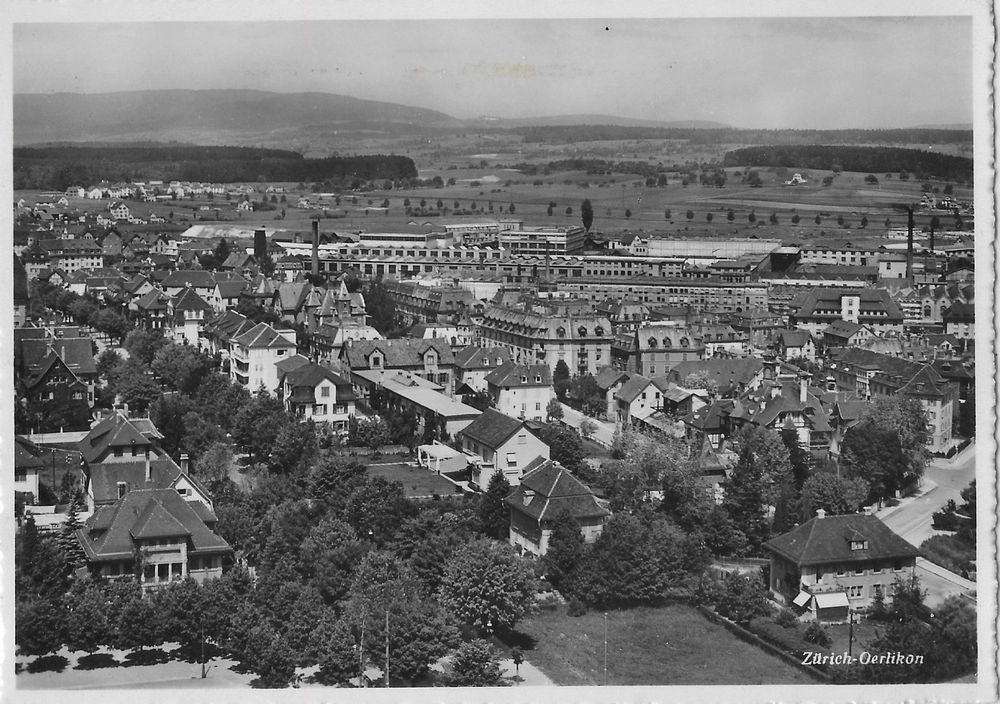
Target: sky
821,73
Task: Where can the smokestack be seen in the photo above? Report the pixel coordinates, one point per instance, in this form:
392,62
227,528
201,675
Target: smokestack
259,245
315,251
909,245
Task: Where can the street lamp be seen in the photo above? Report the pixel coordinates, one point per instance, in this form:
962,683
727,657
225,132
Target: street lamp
605,648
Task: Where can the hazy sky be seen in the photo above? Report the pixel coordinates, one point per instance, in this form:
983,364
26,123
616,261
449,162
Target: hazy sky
823,73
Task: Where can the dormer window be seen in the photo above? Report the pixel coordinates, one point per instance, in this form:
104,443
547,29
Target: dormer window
599,331
652,343
538,378
376,361
560,332
859,545
581,331
122,489
685,342
524,380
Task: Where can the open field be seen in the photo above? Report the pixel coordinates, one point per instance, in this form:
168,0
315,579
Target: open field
671,645
418,482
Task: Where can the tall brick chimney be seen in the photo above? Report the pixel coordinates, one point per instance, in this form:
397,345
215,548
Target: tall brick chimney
909,246
259,245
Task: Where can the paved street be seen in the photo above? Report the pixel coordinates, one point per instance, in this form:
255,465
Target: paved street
943,480
605,431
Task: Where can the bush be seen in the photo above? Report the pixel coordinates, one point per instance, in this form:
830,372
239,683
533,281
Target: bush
952,553
786,618
575,607
815,633
788,639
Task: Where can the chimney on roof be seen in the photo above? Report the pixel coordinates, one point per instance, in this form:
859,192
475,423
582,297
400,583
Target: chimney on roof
185,463
315,250
820,513
776,389
804,386
909,246
149,470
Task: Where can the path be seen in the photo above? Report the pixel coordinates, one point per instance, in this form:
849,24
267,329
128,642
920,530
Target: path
604,433
530,675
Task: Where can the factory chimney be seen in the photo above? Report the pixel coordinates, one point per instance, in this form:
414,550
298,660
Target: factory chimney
259,245
909,246
315,250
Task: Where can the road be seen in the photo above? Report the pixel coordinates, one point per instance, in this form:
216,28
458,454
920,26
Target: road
605,432
912,518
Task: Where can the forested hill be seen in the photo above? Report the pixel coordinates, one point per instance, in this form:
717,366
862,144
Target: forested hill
876,160
63,166
734,135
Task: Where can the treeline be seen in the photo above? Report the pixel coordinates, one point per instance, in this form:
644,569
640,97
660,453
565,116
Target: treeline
60,167
593,166
876,160
731,135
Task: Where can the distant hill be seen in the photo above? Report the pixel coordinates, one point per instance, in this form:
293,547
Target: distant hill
618,121
204,116
249,118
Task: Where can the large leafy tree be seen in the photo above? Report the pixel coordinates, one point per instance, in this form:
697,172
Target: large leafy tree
39,625
564,444
256,424
565,554
181,367
486,585
377,508
329,557
560,378
741,598
756,482
888,447
142,345
474,664
587,214
334,646
835,495
494,516
294,447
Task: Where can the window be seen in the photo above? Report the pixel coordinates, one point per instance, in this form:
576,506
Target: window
652,343
522,438
20,475
511,459
122,488
859,569
840,571
859,545
281,353
897,566
538,406
324,391
119,452
855,592
319,409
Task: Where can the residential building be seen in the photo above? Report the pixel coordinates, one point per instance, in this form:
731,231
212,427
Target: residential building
473,364
417,302
438,416
430,359
785,403
157,533
656,347
521,390
72,255
546,491
637,399
496,442
960,320
796,344
832,565
254,354
843,333
187,314
317,393
815,309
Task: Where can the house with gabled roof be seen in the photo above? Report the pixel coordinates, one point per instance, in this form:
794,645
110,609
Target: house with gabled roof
430,359
187,314
495,442
254,354
610,380
960,320
226,295
36,465
314,392
119,438
521,390
55,382
473,364
785,403
219,330
638,398
796,344
843,333
203,282
729,377
156,535
150,310
547,490
831,565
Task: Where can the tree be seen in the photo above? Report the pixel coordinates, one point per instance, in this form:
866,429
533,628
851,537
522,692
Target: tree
216,463
560,378
566,553
111,323
334,647
474,664
138,625
741,598
494,516
667,214
564,445
222,249
134,385
835,495
587,214
628,213
708,217
270,657
181,367
754,484
553,410
39,625
486,585
774,218
377,508
871,179
144,344
752,217
294,447
68,541
796,219
371,432
701,380
256,424
587,428
689,215
328,558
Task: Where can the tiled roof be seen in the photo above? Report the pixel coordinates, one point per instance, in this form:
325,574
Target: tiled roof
492,428
262,335
828,540
794,338
399,353
108,534
549,490
231,289
808,303
728,374
510,374
182,278
115,431
28,455
475,357
104,476
76,352
631,389
843,328
608,377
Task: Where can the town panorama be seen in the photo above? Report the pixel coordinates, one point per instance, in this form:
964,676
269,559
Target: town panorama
496,406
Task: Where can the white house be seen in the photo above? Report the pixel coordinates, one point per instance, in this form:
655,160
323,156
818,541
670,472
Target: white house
255,353
521,390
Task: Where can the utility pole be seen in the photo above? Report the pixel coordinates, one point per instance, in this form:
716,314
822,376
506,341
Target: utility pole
605,648
850,631
387,647
361,653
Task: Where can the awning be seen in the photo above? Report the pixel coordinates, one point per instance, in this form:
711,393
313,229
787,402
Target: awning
832,600
802,599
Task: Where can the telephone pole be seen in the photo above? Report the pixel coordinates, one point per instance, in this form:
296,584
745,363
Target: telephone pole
387,648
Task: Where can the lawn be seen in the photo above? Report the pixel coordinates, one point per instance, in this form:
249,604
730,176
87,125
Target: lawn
418,482
671,645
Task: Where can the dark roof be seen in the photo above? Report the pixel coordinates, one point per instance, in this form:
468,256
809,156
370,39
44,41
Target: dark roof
817,302
104,476
635,385
550,490
28,455
262,335
76,352
146,513
117,431
962,312
397,353
198,278
794,338
728,374
608,377
842,328
475,357
828,540
492,428
510,374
